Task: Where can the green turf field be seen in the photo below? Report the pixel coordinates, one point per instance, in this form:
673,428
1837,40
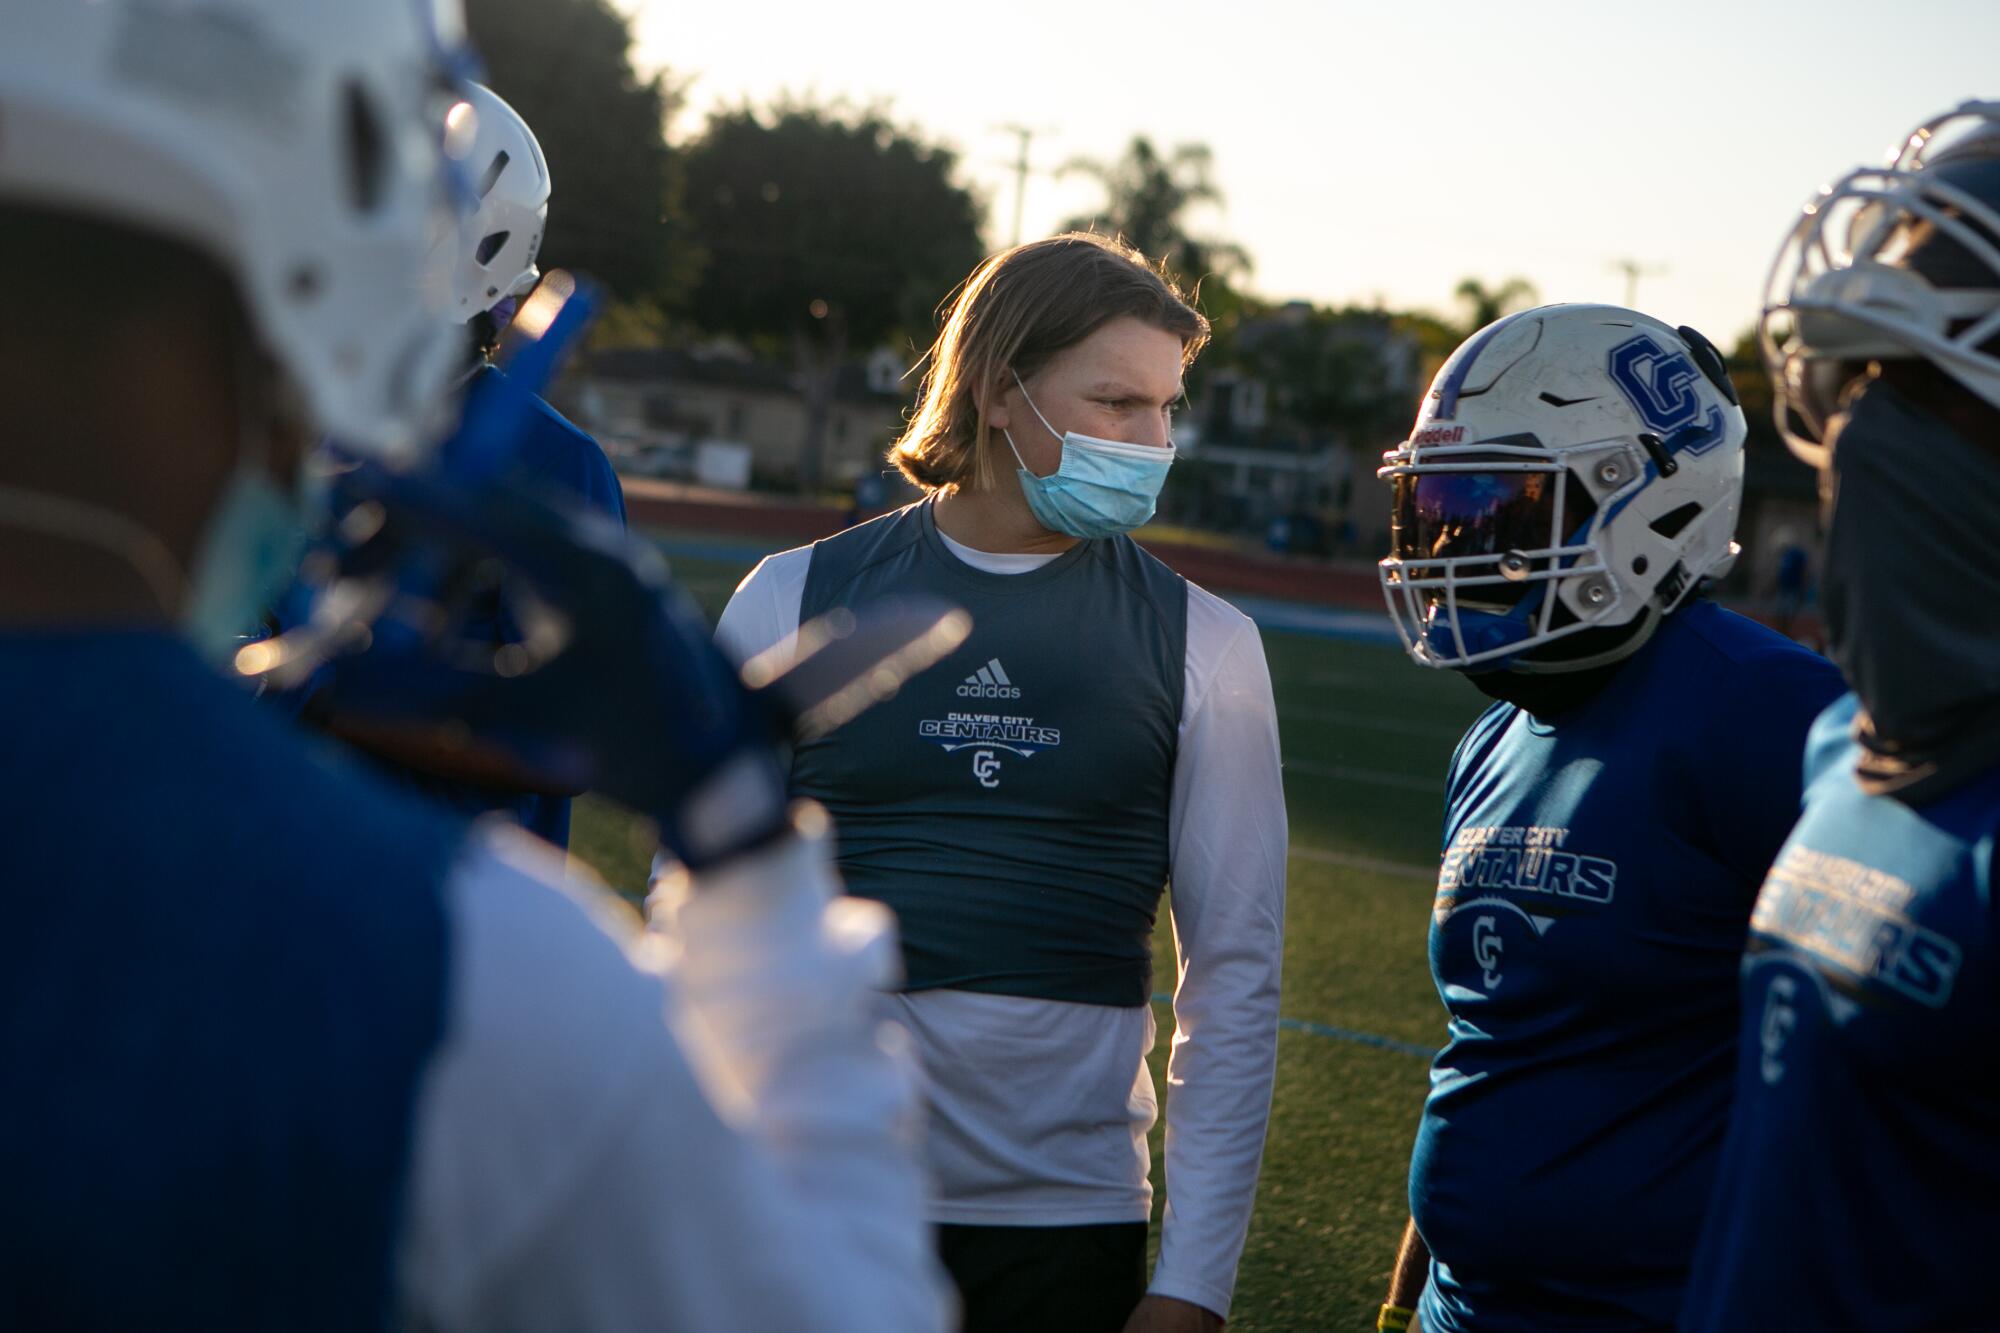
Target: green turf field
1366,737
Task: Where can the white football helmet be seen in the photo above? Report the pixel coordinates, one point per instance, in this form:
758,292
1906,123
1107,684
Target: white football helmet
1851,284
298,144
1572,467
510,178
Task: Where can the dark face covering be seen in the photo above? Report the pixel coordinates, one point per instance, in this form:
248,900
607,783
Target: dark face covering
1912,593
1547,694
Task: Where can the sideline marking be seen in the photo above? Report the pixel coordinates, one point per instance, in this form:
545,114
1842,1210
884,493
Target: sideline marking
1380,1043
1358,1038
1319,621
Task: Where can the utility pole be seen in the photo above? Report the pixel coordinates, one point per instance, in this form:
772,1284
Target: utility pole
1026,135
1633,271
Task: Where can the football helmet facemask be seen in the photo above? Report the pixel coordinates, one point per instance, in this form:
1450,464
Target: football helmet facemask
1890,262
1572,468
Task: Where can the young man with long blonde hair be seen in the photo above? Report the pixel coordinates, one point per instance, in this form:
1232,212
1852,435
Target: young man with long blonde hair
1107,727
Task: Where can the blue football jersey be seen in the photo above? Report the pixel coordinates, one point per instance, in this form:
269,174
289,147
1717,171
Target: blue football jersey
1597,879
224,973
554,457
1860,1183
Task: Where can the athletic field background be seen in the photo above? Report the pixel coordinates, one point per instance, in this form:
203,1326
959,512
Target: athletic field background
1366,736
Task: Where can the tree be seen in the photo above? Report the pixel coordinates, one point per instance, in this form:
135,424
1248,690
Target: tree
1483,305
1753,386
1331,378
1768,465
1325,371
826,229
1147,197
615,213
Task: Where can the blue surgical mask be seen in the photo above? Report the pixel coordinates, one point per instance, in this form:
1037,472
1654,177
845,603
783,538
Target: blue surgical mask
253,542
249,553
1101,488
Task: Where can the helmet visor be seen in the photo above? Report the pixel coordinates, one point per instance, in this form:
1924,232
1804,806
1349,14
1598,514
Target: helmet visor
1442,515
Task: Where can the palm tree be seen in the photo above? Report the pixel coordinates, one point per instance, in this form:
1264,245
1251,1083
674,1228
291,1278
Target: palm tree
1146,199
1483,305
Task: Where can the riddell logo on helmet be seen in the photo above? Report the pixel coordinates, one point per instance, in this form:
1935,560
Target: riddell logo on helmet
1439,435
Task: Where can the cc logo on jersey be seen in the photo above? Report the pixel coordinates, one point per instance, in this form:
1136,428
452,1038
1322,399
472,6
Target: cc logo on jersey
1487,946
1489,940
1779,1020
986,767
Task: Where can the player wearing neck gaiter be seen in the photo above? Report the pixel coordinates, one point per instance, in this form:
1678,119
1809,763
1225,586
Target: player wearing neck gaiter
1571,482
1863,1157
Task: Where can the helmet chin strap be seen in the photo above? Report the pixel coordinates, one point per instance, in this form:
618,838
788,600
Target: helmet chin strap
106,529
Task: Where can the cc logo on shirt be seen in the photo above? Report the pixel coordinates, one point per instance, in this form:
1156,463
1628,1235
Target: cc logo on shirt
986,767
1487,946
1779,1020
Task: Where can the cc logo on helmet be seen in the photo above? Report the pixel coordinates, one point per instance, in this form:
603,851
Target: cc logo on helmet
1660,384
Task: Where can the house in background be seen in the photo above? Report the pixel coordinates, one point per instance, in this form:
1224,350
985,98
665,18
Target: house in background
1278,447
1284,437
663,411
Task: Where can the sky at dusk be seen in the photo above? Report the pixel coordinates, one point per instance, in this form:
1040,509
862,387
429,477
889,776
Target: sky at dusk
1385,151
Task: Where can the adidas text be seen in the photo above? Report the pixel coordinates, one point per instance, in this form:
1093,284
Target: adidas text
989,682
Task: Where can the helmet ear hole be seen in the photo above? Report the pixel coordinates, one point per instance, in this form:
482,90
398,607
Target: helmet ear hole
367,149
1672,523
490,246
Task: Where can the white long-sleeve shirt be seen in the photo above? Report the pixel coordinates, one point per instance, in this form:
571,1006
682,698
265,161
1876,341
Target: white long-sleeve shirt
1039,1109
699,1129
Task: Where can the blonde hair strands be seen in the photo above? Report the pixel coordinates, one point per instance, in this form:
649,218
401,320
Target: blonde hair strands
1017,311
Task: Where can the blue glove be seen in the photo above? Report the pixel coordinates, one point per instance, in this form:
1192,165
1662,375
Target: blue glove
608,680
616,685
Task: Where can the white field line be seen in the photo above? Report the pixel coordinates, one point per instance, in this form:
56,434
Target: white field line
1368,863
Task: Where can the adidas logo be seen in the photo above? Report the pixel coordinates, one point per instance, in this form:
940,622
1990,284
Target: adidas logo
989,682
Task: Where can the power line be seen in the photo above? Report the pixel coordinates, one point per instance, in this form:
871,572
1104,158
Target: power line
1026,134
1633,271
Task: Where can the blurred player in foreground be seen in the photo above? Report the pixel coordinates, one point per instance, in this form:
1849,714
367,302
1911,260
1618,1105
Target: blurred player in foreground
1862,1171
1107,724
492,268
283,1048
1570,485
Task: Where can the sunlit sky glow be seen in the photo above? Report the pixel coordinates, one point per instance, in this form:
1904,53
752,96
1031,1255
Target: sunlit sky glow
1384,151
